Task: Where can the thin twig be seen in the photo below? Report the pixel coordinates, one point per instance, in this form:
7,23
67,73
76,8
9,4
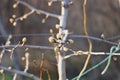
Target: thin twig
15,76
24,16
89,41
13,49
38,10
41,66
92,53
27,62
20,73
6,44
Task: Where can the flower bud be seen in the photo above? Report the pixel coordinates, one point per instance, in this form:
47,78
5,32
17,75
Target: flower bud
58,36
51,31
57,49
24,39
65,49
57,26
14,23
52,39
70,41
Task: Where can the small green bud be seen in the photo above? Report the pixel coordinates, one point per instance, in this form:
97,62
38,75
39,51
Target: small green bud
52,39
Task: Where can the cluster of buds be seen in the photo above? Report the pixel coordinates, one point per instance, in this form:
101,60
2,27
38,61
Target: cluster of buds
14,20
57,39
58,49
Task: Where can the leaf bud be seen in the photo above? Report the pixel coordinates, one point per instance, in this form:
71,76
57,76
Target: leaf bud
57,49
24,16
57,26
102,36
24,39
51,31
14,16
15,5
50,3
65,49
11,20
58,36
70,41
14,23
52,39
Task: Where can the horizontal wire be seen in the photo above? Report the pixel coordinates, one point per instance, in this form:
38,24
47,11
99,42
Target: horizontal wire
52,48
114,37
28,46
71,36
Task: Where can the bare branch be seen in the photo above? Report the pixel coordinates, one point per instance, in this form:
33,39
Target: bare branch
38,10
86,53
27,62
6,44
24,16
20,73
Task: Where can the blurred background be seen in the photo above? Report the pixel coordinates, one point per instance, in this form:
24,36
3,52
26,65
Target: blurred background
103,18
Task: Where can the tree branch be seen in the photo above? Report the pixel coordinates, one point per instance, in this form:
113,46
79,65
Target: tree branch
38,10
20,73
92,53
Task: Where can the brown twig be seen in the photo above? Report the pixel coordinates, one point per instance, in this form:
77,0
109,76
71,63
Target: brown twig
41,66
48,74
89,41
